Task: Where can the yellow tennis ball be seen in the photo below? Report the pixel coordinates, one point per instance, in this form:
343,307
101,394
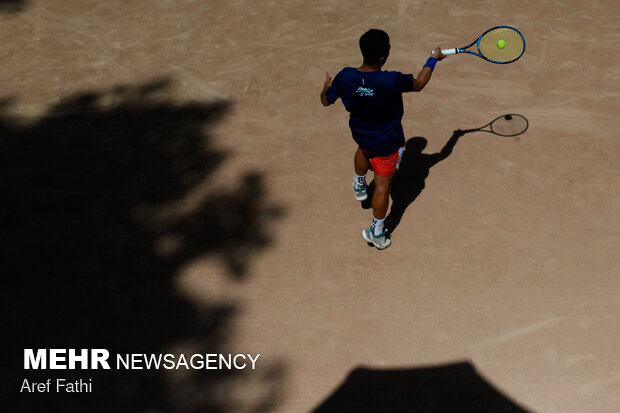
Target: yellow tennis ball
501,44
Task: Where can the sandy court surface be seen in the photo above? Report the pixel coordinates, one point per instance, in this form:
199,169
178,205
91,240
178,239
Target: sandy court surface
507,259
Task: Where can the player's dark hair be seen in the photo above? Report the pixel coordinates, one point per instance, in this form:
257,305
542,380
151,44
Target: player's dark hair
374,45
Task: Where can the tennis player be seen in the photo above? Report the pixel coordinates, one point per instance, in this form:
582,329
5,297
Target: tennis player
373,98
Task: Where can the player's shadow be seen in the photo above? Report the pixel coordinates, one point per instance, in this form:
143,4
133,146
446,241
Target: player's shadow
409,180
11,6
108,198
441,389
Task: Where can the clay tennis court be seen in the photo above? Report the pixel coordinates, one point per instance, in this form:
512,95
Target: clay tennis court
172,184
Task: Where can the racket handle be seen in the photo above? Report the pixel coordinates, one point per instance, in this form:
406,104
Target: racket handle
450,51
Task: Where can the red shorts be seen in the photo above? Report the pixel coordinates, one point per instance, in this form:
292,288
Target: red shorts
384,165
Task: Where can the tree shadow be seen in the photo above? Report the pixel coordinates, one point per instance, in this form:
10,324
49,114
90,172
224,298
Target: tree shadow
11,6
454,388
409,180
100,212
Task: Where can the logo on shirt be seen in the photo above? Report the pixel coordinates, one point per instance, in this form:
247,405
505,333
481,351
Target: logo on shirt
365,91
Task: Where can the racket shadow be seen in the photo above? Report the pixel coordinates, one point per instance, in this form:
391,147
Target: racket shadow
409,180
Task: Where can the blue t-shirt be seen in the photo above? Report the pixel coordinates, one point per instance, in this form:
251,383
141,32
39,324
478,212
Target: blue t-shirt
375,103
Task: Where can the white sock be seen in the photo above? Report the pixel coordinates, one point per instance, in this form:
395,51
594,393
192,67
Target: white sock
377,226
360,181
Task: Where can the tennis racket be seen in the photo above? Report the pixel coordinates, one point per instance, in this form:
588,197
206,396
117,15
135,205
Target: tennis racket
505,125
501,44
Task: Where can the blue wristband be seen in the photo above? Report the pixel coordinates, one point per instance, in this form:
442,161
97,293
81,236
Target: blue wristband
431,63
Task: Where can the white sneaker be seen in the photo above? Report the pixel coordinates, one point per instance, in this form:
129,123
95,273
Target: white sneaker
381,242
360,194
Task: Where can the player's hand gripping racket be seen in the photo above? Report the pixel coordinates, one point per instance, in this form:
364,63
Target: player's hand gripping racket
501,44
505,125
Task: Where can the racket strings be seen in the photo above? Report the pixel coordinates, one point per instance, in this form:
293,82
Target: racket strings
509,125
513,49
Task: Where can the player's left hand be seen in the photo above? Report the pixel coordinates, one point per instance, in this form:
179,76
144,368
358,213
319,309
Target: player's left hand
328,81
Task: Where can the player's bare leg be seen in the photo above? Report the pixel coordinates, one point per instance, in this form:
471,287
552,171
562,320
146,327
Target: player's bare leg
361,163
381,196
361,168
376,234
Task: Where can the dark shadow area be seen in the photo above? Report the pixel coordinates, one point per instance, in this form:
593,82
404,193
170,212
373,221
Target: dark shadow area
409,180
11,6
454,388
94,233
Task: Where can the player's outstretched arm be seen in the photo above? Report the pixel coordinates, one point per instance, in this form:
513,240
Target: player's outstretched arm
326,85
425,74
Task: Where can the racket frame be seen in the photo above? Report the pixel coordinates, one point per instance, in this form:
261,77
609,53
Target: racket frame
477,43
